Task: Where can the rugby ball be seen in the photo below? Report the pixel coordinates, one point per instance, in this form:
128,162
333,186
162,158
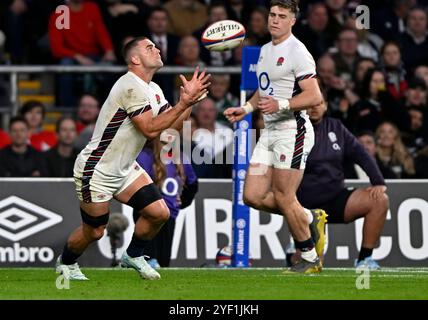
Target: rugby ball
223,35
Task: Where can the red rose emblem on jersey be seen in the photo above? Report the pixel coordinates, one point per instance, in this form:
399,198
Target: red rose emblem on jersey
158,99
282,158
280,61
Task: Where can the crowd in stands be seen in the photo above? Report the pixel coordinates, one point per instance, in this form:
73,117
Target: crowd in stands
374,80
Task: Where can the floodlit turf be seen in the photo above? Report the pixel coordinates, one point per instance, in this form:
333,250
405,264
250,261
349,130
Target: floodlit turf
259,284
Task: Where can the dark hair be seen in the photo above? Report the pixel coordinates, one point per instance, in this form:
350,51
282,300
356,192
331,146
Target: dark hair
30,105
129,46
89,95
365,85
61,120
366,133
216,4
387,44
346,29
158,9
16,119
262,10
292,5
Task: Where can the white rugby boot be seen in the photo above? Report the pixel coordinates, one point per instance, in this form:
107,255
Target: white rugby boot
140,265
70,272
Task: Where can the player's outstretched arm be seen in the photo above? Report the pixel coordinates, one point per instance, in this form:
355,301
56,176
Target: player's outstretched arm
178,124
235,114
190,93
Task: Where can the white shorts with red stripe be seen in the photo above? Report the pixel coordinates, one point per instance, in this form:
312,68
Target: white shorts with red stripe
101,188
285,145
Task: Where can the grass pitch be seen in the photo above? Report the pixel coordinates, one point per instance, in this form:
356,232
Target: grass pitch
218,284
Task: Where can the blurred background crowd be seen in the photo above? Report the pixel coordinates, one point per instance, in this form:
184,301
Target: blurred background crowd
374,80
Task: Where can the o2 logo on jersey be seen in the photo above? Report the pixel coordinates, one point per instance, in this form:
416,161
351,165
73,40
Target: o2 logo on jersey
264,83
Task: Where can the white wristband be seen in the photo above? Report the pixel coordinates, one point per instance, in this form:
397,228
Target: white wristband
248,108
284,105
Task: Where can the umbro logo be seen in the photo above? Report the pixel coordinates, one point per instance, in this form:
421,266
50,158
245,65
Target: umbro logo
20,219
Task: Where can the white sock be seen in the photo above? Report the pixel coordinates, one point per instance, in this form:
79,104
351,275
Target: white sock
310,255
309,215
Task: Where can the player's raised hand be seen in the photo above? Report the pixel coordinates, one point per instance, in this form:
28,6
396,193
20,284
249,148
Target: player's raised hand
268,105
234,114
196,89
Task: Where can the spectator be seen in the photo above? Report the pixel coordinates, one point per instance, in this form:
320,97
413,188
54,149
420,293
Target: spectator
392,152
336,16
167,43
239,10
120,19
20,159
34,113
376,106
219,92
313,33
86,42
367,139
158,23
416,94
15,23
88,110
187,16
257,30
414,42
145,7
363,65
189,56
213,143
421,72
216,12
4,139
394,70
339,93
369,44
87,115
60,159
417,137
347,56
390,21
189,52
178,185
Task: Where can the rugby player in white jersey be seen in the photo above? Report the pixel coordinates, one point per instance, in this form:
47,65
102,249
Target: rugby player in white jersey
287,87
135,111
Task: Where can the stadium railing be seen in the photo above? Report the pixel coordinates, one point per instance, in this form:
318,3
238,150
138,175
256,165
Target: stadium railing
15,71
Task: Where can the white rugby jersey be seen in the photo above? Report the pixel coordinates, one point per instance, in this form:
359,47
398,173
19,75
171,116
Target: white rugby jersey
279,70
116,142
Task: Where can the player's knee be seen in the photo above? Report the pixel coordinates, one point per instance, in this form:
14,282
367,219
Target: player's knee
251,201
284,200
164,215
94,226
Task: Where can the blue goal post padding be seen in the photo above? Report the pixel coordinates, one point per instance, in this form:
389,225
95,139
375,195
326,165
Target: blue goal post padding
241,212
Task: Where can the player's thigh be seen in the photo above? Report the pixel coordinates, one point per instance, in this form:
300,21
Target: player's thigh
285,183
358,205
258,181
142,195
136,180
